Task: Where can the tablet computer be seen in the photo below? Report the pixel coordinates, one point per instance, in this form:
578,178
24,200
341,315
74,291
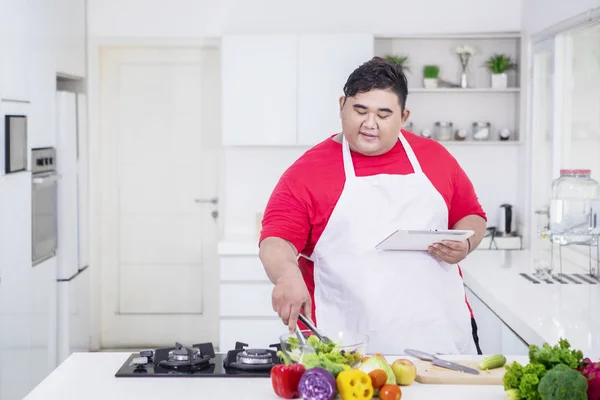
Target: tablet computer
411,239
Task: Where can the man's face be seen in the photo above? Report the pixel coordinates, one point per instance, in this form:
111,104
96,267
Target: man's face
372,121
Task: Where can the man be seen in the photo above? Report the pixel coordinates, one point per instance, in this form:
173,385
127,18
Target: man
346,194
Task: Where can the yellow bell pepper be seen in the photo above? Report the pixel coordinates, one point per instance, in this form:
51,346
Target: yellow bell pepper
354,384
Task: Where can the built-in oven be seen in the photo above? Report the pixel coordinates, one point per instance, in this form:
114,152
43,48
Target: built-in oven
44,204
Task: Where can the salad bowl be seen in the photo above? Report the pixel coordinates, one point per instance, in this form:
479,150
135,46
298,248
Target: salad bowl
346,349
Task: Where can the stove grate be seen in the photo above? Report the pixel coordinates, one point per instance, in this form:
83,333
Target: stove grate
562,279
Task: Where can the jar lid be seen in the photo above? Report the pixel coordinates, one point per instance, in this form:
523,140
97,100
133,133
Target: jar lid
575,171
440,123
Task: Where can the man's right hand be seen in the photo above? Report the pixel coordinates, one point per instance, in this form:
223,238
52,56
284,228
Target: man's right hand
290,295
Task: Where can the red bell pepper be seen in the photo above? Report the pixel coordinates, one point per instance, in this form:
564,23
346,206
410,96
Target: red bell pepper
285,380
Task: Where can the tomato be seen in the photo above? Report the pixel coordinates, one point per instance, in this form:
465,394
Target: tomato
378,378
390,392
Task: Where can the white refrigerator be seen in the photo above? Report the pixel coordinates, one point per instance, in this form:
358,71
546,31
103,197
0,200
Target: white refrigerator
73,312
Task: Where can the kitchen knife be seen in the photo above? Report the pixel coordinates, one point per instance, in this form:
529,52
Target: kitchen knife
439,362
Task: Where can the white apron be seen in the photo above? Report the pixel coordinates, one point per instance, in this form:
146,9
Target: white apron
401,299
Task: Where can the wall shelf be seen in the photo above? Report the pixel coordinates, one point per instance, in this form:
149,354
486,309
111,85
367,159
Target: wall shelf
481,142
461,90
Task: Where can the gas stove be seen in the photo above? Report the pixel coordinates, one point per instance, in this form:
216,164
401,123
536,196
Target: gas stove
200,360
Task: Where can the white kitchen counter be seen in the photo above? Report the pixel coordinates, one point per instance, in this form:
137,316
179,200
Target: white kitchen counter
90,376
537,313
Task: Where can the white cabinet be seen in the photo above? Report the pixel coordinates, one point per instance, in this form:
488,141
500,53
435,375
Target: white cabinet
70,17
246,314
17,293
495,337
27,63
16,63
324,64
259,89
284,89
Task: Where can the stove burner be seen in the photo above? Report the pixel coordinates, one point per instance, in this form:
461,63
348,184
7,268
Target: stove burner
185,358
254,357
183,354
250,359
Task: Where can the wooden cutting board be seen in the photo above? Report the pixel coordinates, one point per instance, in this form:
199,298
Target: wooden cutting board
431,374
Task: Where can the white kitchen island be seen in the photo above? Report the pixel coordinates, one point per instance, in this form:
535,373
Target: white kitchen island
511,313
91,376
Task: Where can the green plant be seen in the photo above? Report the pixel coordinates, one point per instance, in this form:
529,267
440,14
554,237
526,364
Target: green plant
431,71
402,60
499,64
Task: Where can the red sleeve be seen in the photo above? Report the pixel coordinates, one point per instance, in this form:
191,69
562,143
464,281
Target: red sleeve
287,213
464,199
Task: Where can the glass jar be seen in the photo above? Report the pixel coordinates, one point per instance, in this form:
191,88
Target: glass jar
574,207
481,130
443,130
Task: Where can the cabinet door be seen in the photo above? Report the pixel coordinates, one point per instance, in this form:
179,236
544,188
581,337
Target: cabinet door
17,33
70,26
324,64
544,154
16,314
259,89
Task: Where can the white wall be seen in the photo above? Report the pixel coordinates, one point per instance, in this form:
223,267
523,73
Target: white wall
247,186
195,18
540,14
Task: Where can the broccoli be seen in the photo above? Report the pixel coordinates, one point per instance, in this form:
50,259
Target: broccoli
563,383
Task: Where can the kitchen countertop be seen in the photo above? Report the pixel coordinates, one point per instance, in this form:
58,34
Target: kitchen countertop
90,376
542,312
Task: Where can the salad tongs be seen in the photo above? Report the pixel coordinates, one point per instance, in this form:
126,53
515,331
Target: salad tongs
314,329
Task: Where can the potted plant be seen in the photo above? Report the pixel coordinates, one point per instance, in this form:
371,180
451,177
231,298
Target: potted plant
402,60
430,76
498,65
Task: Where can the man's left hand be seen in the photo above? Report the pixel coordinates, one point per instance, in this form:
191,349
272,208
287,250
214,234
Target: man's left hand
450,251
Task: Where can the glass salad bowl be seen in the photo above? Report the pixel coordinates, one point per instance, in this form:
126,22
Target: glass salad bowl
345,349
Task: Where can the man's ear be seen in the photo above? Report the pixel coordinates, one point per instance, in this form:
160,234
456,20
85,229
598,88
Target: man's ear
405,115
342,101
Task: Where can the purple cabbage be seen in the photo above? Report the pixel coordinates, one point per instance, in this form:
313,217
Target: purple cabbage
317,384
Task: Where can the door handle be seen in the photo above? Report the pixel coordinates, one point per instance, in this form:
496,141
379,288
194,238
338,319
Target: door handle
213,200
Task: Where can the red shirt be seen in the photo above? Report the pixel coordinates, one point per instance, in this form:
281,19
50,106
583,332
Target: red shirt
307,192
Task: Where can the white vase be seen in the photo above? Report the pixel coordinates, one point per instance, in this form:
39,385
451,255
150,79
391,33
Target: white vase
499,81
430,83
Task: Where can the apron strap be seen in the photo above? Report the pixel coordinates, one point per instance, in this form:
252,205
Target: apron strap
411,154
348,166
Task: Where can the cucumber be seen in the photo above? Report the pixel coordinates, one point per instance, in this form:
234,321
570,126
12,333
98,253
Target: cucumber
491,362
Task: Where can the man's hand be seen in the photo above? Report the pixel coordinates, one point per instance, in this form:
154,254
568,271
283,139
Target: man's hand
289,296
450,251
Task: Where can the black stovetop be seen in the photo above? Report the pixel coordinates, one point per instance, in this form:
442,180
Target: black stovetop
175,362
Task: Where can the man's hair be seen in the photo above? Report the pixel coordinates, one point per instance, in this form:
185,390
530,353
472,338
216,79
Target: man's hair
378,73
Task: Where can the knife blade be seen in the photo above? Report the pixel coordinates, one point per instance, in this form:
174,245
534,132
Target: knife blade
439,362
454,366
420,354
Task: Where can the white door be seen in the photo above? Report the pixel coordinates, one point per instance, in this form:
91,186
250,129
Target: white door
542,131
158,161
